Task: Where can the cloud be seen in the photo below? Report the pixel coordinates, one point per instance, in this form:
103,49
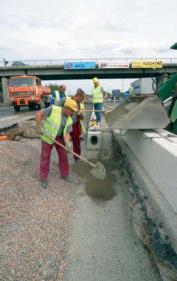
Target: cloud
145,50
3,46
104,47
31,21
85,29
100,22
164,48
8,22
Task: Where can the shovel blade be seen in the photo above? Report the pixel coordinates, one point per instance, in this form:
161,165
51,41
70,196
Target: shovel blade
99,171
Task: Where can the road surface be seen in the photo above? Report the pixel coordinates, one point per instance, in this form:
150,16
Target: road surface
8,117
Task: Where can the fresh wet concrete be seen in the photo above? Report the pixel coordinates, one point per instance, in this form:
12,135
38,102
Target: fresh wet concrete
100,189
103,245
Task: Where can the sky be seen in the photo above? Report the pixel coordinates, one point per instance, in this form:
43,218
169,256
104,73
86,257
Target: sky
84,29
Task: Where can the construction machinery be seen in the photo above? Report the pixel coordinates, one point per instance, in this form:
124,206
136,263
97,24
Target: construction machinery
115,94
28,91
153,111
167,94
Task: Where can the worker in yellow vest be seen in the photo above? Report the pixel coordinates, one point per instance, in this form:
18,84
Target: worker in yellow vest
98,98
57,126
58,95
77,126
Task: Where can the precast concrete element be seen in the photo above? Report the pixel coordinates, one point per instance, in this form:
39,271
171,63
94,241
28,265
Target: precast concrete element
94,140
99,144
87,116
100,141
156,155
5,90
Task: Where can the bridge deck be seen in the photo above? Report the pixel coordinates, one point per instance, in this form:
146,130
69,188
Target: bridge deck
49,72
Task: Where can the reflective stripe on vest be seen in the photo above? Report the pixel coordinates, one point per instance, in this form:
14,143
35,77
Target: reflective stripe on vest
52,124
97,95
57,96
82,107
82,127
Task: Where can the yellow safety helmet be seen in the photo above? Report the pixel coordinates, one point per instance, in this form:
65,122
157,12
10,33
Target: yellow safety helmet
95,80
72,104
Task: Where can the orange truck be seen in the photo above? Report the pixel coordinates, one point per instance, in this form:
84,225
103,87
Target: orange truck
28,91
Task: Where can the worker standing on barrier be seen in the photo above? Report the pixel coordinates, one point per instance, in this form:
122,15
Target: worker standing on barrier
58,95
98,98
57,126
77,126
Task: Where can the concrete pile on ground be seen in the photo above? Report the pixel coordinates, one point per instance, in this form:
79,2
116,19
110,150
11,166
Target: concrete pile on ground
25,129
34,222
29,129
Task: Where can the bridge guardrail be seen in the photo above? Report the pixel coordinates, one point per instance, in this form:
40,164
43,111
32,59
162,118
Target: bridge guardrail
97,60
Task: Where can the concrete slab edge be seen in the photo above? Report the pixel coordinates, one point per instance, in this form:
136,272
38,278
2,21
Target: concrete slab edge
162,218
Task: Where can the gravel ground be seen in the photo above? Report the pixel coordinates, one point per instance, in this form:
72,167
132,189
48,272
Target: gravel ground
72,232
34,222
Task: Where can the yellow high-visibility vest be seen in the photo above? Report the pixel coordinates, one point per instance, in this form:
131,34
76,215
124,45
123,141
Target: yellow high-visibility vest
57,96
52,124
97,95
83,113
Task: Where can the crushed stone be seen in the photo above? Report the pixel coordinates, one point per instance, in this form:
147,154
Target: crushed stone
34,222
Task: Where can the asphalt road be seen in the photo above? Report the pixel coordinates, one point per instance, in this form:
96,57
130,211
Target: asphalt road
8,117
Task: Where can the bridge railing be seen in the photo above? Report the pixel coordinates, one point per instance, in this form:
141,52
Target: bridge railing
97,60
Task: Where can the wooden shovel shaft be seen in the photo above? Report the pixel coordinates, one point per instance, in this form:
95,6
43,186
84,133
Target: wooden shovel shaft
77,155
90,110
74,153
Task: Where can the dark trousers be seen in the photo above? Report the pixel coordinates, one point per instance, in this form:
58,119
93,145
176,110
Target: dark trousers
98,106
46,150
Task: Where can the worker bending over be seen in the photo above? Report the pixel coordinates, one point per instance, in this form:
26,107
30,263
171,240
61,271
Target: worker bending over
77,126
57,125
98,97
58,95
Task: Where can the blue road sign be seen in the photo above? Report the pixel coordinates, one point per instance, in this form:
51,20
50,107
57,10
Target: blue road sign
80,65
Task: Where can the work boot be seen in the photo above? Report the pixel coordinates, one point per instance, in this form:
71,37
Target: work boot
77,159
66,178
44,183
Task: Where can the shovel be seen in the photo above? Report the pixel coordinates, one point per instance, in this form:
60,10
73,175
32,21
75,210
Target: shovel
90,110
98,170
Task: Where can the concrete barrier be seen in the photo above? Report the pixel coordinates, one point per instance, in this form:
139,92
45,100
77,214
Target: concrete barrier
154,158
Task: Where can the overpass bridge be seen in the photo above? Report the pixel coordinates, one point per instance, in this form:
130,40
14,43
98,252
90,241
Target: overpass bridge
54,70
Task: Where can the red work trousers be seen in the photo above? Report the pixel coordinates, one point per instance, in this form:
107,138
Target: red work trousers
75,135
45,158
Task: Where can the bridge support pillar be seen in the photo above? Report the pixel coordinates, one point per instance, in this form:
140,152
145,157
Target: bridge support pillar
5,93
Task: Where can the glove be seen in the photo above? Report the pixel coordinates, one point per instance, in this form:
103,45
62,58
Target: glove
68,147
38,130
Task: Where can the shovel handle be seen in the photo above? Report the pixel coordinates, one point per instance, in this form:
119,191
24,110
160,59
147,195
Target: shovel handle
90,110
74,153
